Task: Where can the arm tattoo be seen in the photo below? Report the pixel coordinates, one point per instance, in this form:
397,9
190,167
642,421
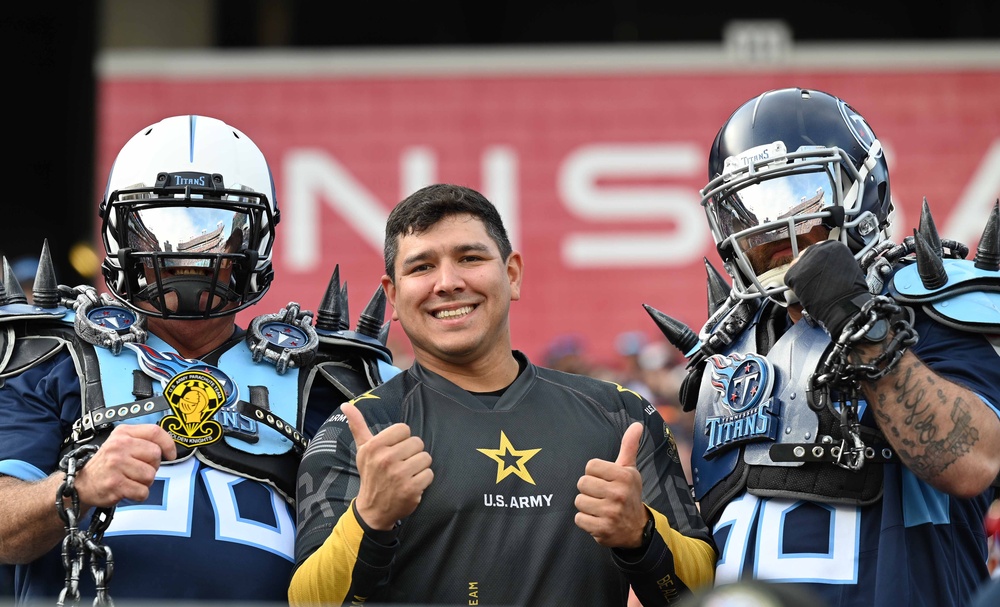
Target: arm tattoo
912,412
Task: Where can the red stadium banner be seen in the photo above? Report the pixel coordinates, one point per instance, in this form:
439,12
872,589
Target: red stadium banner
596,171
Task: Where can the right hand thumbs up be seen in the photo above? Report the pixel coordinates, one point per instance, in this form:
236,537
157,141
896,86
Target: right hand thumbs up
394,469
356,422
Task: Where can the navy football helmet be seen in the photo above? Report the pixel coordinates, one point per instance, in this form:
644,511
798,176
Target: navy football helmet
783,163
188,220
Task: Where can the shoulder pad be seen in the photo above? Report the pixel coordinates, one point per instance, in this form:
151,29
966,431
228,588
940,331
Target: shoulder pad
20,311
21,320
968,301
25,353
725,326
102,321
332,340
98,319
26,344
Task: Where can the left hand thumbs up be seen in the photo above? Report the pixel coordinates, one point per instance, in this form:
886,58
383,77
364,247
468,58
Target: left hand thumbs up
630,445
610,499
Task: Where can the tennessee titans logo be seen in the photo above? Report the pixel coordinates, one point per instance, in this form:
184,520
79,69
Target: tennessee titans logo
862,132
284,335
743,383
164,366
740,379
195,391
114,318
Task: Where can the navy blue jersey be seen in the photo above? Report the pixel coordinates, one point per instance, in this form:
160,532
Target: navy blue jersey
202,534
914,546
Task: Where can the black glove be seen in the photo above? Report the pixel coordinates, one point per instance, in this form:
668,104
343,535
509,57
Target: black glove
829,283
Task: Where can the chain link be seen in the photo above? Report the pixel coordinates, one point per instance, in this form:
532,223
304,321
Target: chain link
837,374
80,546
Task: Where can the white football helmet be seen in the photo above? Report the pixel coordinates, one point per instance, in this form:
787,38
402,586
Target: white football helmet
188,220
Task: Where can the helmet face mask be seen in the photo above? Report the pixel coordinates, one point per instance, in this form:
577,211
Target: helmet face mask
770,196
180,244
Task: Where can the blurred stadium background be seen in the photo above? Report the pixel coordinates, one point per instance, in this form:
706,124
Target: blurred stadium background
587,122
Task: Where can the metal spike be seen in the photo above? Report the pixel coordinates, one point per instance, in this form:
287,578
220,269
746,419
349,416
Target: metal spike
930,266
372,317
345,315
15,294
988,251
928,230
328,317
383,334
45,291
718,288
677,333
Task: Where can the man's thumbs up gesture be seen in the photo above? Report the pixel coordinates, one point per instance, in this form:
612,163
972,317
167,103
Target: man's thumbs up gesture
394,469
610,500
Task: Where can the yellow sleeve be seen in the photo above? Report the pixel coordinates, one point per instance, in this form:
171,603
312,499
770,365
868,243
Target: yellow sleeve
694,559
325,577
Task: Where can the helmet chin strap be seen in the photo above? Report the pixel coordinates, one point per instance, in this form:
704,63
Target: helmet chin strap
188,290
775,278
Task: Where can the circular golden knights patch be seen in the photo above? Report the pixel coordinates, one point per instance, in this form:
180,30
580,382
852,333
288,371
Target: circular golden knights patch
194,396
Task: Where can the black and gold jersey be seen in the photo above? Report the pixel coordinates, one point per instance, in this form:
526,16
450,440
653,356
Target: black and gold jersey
496,526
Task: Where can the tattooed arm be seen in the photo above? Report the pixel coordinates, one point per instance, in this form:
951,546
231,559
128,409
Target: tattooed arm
944,432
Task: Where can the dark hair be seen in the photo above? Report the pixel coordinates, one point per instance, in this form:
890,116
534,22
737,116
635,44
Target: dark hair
424,208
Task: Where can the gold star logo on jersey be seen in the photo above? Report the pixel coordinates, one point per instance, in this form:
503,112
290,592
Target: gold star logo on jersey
510,460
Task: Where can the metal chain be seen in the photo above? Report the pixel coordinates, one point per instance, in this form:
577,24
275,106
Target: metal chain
837,373
80,546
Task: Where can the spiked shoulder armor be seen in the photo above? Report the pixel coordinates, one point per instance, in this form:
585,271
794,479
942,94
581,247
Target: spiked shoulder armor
957,292
33,332
351,361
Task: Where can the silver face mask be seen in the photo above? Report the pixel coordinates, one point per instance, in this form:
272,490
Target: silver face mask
768,195
189,255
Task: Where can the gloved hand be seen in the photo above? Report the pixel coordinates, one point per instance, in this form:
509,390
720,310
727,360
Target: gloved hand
829,283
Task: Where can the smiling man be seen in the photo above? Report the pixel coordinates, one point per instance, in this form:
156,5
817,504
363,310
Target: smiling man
476,477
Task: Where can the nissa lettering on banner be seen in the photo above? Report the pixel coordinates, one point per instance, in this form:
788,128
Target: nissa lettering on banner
597,177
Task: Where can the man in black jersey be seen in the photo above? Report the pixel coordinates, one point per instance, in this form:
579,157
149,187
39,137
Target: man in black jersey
475,477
